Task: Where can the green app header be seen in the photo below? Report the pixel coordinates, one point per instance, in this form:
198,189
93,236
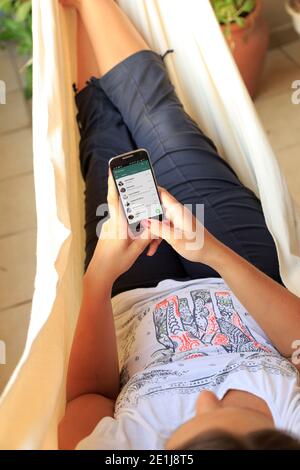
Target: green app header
131,169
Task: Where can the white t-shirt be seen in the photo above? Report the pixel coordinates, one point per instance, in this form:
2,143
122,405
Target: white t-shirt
178,339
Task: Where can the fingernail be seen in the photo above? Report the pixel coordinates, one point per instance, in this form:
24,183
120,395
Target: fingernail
146,223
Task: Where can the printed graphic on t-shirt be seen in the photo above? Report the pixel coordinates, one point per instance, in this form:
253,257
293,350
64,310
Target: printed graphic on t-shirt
180,328
192,339
198,323
176,379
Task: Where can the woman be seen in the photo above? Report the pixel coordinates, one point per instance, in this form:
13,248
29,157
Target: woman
205,337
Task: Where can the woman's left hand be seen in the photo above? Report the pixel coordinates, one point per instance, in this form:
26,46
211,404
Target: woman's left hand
117,249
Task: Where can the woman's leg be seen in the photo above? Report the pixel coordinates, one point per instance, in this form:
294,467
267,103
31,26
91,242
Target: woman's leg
87,65
185,160
104,135
111,33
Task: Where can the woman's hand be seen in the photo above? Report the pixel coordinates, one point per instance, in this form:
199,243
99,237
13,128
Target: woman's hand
117,249
184,232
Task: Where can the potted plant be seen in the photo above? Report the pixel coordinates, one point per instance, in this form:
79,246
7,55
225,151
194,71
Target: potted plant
15,27
293,9
247,34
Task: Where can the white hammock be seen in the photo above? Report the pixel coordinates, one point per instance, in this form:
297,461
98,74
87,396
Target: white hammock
208,83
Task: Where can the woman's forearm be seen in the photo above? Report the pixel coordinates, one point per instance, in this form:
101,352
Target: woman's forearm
275,309
93,364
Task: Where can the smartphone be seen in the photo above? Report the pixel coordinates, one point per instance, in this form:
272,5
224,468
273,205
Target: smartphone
136,184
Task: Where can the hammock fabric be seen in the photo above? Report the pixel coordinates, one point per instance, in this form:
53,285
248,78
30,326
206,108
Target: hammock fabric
208,83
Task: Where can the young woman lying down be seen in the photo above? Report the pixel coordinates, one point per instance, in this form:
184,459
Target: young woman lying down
175,347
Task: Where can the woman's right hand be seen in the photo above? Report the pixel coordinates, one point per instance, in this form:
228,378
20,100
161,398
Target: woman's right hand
184,232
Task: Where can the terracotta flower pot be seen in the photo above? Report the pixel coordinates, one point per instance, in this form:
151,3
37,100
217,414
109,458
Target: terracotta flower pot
249,45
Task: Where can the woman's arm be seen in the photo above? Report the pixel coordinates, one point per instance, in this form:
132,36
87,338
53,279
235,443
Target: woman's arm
93,373
81,417
93,364
274,308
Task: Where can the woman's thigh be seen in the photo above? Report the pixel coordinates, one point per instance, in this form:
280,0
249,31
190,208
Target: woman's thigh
232,213
103,136
236,218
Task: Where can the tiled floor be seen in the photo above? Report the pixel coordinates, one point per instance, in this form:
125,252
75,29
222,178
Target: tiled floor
17,230
18,220
281,118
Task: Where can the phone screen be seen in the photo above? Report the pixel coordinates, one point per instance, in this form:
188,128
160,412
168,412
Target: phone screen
137,189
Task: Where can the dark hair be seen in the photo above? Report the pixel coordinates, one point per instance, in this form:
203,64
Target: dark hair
269,439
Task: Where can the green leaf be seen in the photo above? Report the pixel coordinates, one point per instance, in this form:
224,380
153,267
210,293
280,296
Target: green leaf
249,6
15,25
28,82
232,11
23,11
240,21
227,32
5,6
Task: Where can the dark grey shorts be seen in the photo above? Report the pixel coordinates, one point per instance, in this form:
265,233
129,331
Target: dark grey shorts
134,106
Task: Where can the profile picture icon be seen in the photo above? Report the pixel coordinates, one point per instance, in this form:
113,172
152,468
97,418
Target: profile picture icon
130,217
124,196
127,204
122,190
120,183
129,210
